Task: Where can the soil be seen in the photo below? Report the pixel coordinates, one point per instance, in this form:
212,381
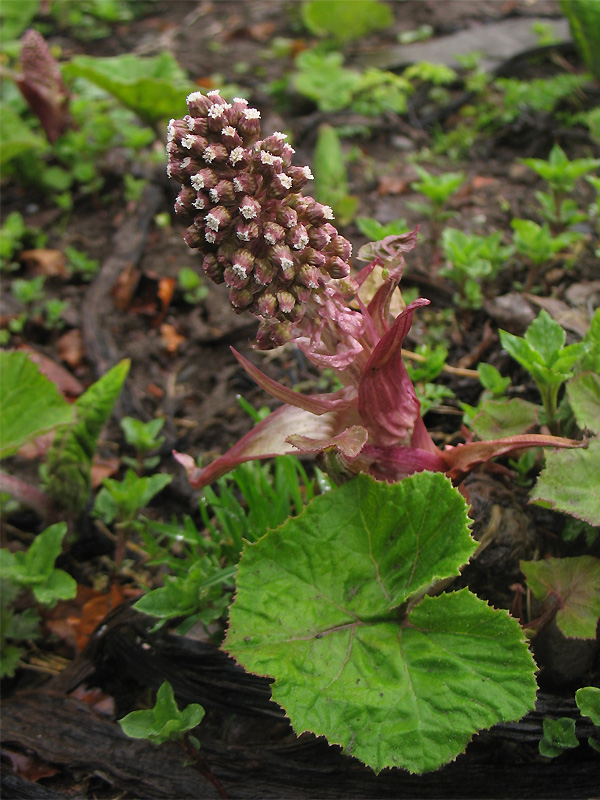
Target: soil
183,369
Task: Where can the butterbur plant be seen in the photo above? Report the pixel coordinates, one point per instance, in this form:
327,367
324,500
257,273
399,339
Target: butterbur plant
350,575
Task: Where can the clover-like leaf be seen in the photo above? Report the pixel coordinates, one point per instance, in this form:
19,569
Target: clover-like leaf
30,403
319,607
575,585
570,482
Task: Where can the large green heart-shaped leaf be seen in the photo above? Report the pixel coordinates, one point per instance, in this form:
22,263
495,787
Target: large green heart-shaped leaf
318,609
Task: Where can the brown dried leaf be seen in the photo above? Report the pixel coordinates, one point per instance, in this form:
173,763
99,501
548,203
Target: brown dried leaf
40,261
171,339
28,767
71,348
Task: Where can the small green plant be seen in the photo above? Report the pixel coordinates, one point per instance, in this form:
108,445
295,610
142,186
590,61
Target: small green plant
192,285
164,722
80,264
331,176
537,244
15,236
494,387
52,311
32,570
120,501
438,189
424,372
144,437
28,292
472,259
561,175
375,231
542,352
584,21
559,735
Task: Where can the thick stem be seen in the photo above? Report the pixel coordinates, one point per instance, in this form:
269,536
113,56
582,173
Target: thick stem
27,495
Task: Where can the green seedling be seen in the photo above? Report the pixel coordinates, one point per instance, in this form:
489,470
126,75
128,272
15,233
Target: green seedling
143,437
35,569
15,236
120,502
537,244
559,735
52,311
192,284
584,21
331,176
542,352
164,722
28,292
561,175
574,528
423,373
427,72
32,571
375,231
322,78
472,259
81,265
524,465
438,189
494,387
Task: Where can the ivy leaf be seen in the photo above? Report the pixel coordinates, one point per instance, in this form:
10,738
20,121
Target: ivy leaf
575,583
570,482
317,608
583,392
30,404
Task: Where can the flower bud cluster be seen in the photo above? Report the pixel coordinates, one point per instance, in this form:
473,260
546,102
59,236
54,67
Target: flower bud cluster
275,249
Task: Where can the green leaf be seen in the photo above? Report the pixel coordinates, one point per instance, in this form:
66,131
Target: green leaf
15,17
574,584
583,392
165,721
546,337
317,608
154,88
570,482
129,495
67,469
16,137
43,552
9,660
30,404
331,177
559,734
346,21
499,418
588,702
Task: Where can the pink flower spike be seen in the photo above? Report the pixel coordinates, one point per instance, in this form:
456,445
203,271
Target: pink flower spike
267,440
315,404
387,402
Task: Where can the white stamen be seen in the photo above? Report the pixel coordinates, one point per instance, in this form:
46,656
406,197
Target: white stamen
285,180
199,203
251,113
307,173
187,142
209,155
212,222
327,212
191,98
243,235
248,212
210,236
301,242
190,123
267,158
186,162
269,238
286,263
168,170
214,195
171,131
279,135
228,130
197,182
213,93
240,100
239,270
216,111
236,155
237,185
